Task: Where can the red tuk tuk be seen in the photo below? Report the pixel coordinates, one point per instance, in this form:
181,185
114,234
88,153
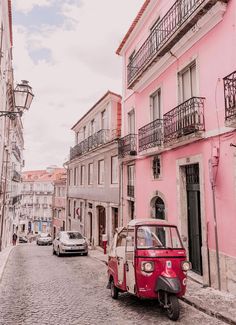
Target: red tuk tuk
147,259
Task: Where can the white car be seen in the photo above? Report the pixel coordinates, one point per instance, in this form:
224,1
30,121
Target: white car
70,242
44,239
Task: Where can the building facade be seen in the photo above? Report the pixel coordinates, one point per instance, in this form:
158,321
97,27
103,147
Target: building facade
11,134
177,153
37,198
59,205
93,182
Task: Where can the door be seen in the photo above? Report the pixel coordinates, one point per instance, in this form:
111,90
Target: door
194,217
101,224
90,226
129,265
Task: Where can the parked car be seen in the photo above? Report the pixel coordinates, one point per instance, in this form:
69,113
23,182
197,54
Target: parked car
44,239
23,239
70,242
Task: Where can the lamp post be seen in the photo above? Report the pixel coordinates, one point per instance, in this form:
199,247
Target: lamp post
23,96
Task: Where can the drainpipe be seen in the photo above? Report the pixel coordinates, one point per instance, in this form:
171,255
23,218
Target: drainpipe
120,224
213,166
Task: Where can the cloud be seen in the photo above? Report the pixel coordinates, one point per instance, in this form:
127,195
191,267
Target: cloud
70,66
27,5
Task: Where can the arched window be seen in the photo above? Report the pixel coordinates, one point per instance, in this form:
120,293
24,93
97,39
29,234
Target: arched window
159,208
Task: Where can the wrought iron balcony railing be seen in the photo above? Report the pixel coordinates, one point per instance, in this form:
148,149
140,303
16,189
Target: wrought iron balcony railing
230,96
16,151
184,119
127,145
16,176
151,135
99,138
130,190
180,18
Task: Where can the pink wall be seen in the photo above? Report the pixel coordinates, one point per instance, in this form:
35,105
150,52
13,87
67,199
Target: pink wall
215,57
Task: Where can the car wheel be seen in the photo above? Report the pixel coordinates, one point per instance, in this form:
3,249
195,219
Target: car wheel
114,290
85,254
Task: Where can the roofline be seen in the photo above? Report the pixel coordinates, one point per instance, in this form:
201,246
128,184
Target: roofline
133,25
98,102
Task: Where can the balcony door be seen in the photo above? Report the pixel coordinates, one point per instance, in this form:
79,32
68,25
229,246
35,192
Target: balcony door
155,105
187,82
131,122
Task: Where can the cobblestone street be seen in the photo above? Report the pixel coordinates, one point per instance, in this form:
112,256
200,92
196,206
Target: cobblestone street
39,288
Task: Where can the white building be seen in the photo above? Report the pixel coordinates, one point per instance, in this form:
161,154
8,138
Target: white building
93,182
37,197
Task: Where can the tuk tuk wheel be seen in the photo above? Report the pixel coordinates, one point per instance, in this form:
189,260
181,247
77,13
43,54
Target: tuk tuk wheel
114,290
174,308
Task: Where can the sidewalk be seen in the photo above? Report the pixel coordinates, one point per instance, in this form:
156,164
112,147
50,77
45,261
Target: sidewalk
218,304
4,254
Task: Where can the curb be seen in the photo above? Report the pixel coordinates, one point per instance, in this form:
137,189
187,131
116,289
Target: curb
5,262
209,312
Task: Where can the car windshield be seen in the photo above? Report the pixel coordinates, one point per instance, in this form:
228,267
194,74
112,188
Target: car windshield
72,235
45,235
158,237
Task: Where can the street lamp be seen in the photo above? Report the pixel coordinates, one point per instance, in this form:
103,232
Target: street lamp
23,96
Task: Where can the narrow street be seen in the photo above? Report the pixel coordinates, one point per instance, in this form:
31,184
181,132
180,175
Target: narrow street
39,288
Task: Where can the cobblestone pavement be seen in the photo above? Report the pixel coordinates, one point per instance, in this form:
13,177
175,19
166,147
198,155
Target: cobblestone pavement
38,288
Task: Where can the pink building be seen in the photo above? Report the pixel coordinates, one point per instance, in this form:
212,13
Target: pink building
178,124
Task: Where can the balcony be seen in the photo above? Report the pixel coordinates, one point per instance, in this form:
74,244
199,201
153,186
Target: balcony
184,122
181,17
45,205
130,190
16,177
97,139
230,99
127,146
16,151
151,135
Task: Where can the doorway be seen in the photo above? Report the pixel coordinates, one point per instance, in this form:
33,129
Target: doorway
90,232
114,220
101,224
194,217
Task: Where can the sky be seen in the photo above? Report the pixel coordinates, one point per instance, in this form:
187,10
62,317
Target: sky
66,50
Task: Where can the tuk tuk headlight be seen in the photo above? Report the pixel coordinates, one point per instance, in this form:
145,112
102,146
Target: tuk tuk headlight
147,267
186,266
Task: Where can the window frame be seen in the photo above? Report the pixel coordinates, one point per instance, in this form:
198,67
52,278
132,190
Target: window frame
99,172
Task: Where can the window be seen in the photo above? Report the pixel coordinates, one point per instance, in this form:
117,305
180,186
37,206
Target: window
90,173
187,83
114,169
70,176
84,132
103,120
75,175
69,209
45,200
74,209
130,185
155,105
131,122
92,127
156,167
82,168
101,172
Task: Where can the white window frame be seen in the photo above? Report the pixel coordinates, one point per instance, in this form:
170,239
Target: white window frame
90,174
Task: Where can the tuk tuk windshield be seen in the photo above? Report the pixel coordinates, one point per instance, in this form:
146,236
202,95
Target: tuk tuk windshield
158,237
